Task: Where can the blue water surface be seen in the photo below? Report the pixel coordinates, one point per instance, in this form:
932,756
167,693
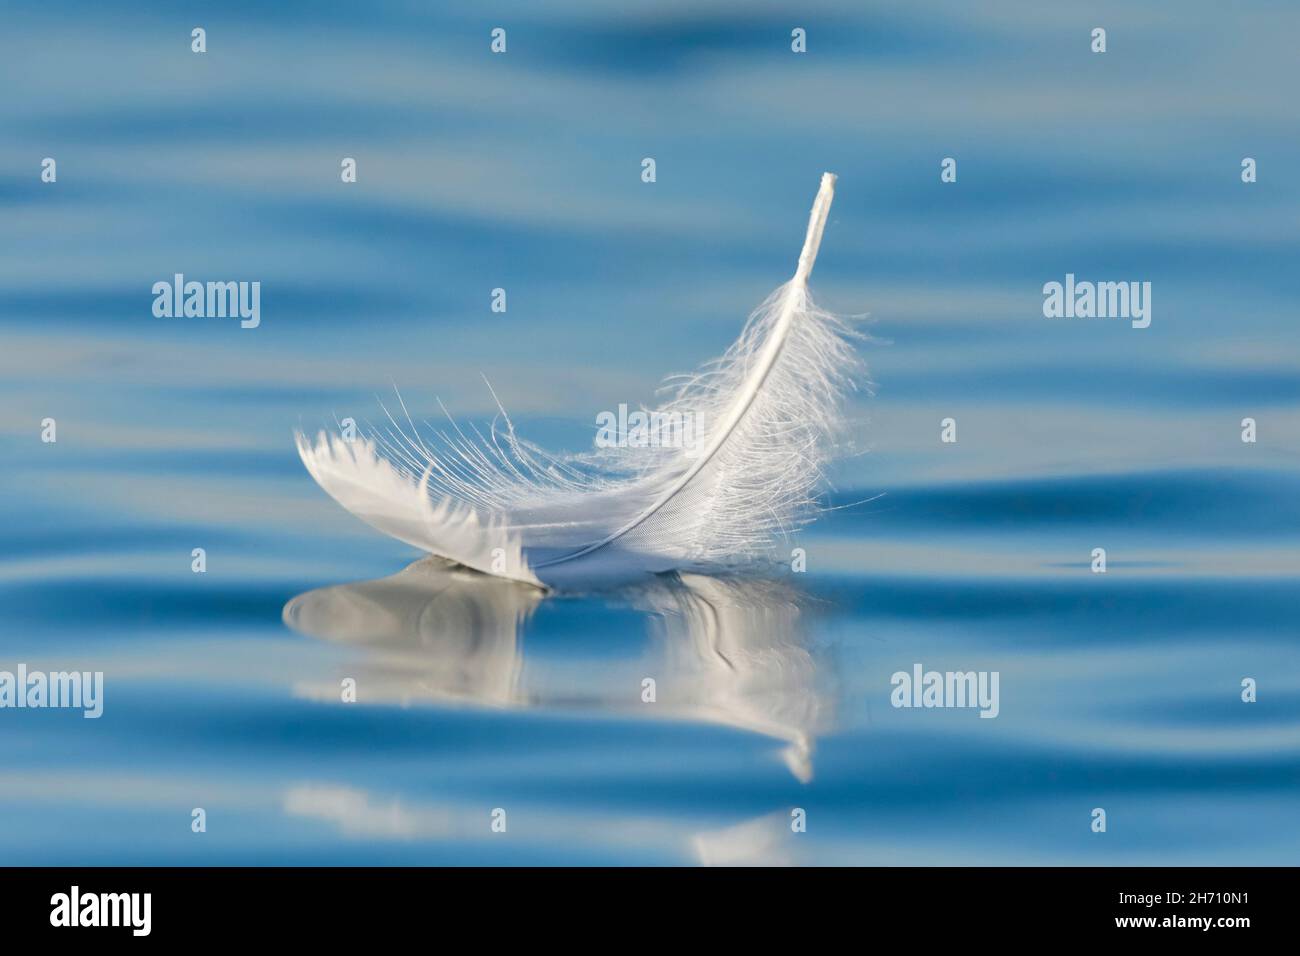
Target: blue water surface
522,171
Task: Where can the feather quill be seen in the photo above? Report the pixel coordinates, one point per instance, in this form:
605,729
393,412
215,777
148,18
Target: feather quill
768,411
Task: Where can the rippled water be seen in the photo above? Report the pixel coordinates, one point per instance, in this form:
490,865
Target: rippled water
1119,691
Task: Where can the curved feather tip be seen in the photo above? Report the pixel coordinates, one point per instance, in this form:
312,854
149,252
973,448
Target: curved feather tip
767,413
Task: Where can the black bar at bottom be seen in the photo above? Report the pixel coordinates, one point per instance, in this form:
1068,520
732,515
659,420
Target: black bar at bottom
303,905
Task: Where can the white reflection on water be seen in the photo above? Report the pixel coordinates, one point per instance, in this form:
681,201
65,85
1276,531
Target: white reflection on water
726,651
360,814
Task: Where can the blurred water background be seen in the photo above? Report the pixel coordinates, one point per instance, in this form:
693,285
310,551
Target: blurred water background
522,171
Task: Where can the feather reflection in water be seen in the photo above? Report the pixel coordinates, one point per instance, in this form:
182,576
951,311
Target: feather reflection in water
727,651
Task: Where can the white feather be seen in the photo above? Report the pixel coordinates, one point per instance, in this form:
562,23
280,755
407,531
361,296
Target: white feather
768,410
